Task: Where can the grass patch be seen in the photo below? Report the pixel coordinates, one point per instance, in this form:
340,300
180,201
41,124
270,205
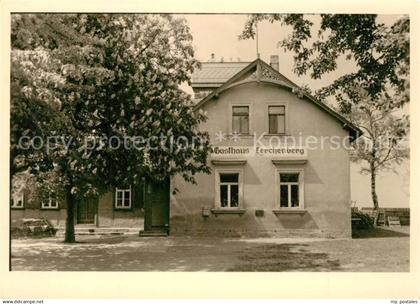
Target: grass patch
284,257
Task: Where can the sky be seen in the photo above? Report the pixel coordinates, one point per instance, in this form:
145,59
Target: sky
218,34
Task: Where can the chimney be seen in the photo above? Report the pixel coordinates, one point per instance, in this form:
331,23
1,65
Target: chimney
274,62
212,59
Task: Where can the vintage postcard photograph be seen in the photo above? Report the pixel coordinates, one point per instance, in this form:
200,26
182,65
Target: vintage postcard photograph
209,142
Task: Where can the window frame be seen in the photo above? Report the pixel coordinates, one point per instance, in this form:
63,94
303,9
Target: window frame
123,191
218,204
249,118
20,197
286,117
301,183
49,206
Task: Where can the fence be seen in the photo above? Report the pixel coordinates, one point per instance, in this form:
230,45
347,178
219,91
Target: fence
402,213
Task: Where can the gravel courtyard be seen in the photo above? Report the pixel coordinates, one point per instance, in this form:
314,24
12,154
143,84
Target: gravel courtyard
380,250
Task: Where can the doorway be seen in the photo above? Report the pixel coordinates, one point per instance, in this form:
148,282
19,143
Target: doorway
156,206
86,211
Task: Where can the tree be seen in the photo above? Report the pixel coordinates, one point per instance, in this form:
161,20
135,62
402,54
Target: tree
40,44
35,85
379,52
373,94
119,81
383,143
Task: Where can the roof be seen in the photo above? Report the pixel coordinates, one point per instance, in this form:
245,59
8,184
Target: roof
214,74
260,71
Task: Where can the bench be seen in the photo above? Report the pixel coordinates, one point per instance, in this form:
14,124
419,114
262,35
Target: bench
394,221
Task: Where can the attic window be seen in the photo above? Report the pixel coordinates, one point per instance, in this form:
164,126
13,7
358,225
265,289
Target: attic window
240,119
277,119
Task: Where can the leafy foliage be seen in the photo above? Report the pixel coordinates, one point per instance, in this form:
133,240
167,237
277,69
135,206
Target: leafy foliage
373,94
384,140
380,53
85,79
116,81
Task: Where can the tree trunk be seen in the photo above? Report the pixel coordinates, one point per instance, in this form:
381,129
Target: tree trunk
71,202
373,187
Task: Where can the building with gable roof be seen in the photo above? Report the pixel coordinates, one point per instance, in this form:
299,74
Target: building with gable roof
279,167
266,180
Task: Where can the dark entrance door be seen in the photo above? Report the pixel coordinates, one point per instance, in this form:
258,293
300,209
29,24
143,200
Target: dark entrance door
86,211
156,206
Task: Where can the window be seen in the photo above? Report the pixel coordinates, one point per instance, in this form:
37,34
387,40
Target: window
51,202
229,190
240,119
277,119
123,198
290,190
17,201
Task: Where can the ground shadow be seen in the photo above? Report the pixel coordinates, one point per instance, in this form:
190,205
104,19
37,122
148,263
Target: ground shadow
284,257
377,233
122,254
